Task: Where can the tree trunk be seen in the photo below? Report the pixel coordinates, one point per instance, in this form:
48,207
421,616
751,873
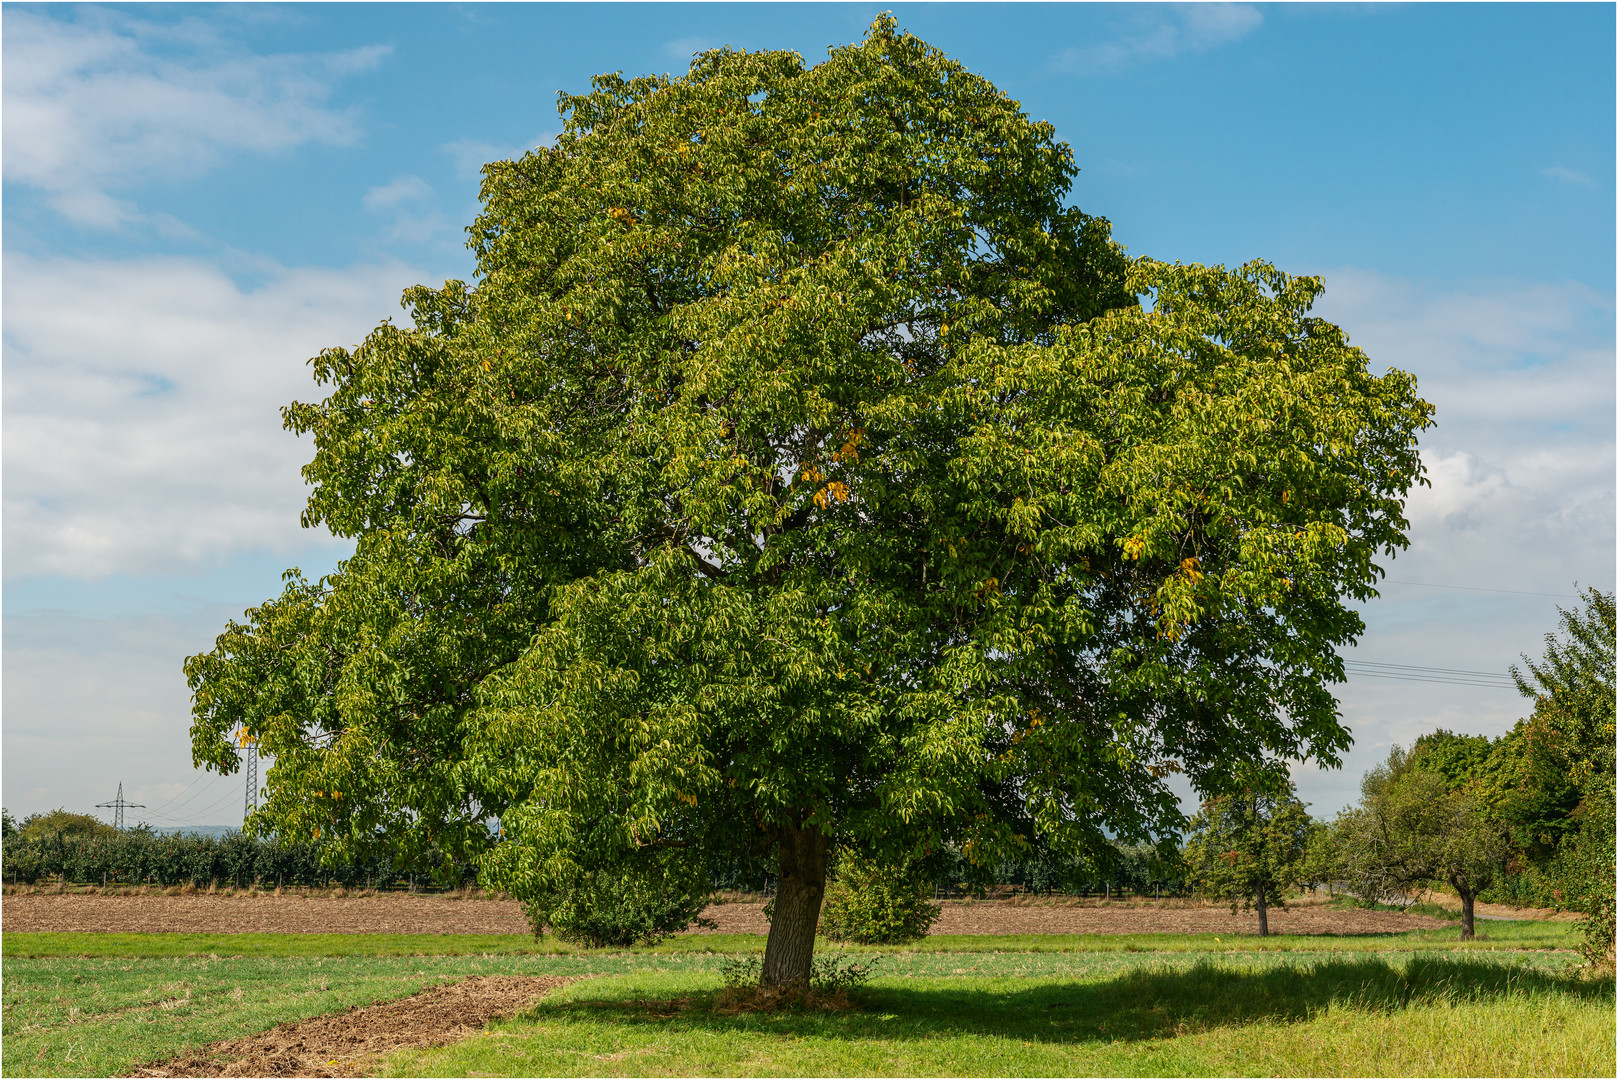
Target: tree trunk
789,951
1466,913
1263,915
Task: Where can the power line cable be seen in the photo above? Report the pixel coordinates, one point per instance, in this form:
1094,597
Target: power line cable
200,792
1372,669
199,778
1479,588
1435,681
200,814
216,807
1424,670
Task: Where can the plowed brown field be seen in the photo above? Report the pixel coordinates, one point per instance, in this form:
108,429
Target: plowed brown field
416,914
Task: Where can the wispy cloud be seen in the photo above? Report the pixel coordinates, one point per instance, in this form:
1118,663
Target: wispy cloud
142,397
687,47
401,192
100,104
1568,176
1161,33
470,155
409,204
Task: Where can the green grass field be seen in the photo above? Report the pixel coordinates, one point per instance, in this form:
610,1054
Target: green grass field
1418,1003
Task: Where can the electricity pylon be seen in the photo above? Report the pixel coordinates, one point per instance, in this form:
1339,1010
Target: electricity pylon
118,805
249,743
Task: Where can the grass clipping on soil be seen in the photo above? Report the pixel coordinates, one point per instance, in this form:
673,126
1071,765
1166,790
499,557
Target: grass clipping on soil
347,1043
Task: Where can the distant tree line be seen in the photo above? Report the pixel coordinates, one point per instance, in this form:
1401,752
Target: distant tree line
78,848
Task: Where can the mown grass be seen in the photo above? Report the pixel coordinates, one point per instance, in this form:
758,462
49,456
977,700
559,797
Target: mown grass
1237,1008
1426,1013
1494,935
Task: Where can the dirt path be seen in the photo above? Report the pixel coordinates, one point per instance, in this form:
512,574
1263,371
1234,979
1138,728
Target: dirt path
349,1043
408,914
1500,911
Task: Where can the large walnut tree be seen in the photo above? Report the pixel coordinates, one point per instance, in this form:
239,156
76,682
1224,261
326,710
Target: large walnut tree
802,471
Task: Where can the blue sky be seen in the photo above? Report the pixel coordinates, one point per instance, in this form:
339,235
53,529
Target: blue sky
197,199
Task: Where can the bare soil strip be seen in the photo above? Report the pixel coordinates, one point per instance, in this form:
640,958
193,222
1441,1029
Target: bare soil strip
261,913
417,914
349,1043
1013,917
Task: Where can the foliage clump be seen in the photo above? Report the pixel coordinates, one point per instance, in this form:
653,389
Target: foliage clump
62,824
618,906
872,903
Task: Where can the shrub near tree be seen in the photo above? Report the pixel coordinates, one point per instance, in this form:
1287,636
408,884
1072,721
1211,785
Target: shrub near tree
1251,848
871,904
802,471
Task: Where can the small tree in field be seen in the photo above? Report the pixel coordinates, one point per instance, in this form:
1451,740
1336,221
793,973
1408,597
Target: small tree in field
1251,848
1411,830
803,472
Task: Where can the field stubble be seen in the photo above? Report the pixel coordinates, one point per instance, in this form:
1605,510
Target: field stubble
119,911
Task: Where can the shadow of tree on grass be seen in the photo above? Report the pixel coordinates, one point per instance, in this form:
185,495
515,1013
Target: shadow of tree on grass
1146,1003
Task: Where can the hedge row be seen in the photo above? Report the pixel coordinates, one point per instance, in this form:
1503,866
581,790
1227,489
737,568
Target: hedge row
140,857
1138,869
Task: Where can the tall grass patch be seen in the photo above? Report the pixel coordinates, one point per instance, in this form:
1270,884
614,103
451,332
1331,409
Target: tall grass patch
1460,1014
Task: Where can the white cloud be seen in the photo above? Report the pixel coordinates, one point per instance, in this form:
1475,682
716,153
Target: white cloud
403,191
1161,33
470,155
108,101
142,431
407,201
1521,464
1568,176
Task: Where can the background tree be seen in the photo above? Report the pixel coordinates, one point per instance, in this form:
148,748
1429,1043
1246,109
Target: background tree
61,823
802,472
1547,785
1570,739
1411,830
1250,847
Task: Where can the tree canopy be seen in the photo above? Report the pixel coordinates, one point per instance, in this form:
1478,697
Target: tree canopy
1251,846
801,471
1413,829
58,823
